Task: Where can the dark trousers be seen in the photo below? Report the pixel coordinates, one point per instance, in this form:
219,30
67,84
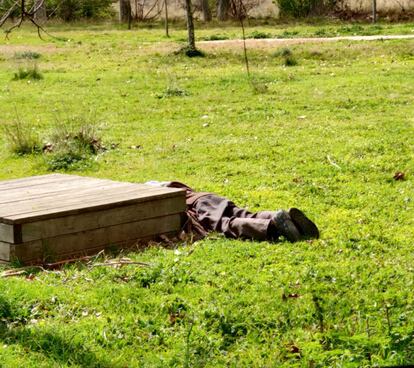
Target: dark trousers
219,214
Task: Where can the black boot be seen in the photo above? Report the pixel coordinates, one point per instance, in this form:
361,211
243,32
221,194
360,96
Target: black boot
282,225
305,226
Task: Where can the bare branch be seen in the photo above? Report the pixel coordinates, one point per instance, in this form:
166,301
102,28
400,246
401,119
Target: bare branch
17,25
35,8
151,9
25,15
55,10
8,13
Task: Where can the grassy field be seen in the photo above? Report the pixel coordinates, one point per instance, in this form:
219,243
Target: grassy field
326,135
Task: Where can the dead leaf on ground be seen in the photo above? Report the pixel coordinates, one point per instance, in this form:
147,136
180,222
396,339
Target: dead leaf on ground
399,175
30,277
293,349
137,147
291,295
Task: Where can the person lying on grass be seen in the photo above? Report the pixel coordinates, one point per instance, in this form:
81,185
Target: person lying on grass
209,212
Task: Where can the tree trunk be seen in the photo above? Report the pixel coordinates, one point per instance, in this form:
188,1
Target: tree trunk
40,15
374,11
223,9
167,33
190,26
125,12
205,10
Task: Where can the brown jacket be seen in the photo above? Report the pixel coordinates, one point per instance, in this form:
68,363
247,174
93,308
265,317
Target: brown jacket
190,195
192,225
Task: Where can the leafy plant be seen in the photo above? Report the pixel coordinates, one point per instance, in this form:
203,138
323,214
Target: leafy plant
72,144
67,160
31,72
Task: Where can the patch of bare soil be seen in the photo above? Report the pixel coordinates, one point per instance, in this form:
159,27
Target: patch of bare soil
12,49
278,42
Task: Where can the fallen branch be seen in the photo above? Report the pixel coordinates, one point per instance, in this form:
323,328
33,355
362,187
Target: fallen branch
119,263
20,271
11,273
68,261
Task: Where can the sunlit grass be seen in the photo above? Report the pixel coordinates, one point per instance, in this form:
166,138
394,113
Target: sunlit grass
326,135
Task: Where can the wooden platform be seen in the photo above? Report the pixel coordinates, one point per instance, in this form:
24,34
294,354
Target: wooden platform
52,217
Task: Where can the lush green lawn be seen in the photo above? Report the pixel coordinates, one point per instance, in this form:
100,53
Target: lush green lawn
326,135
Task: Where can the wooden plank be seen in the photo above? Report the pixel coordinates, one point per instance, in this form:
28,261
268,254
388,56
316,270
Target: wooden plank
30,179
59,200
89,205
89,200
32,193
94,220
50,179
136,244
5,249
52,248
7,233
36,180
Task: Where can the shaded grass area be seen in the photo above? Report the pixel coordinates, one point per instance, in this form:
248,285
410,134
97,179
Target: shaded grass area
326,135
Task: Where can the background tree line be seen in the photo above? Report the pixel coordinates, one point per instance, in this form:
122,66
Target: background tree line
69,10
66,10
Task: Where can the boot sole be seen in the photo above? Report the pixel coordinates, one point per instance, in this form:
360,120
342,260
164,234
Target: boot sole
306,227
286,227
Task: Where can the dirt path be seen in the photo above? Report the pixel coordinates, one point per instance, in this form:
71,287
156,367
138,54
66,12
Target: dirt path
277,42
11,49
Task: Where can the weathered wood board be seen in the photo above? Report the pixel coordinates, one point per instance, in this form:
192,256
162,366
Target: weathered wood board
53,216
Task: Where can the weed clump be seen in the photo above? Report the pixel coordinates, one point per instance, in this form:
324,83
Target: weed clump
260,35
290,61
27,55
31,72
173,91
320,32
22,139
72,146
288,34
286,54
216,37
258,86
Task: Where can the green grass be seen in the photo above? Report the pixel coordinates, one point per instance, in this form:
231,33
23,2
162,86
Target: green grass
326,135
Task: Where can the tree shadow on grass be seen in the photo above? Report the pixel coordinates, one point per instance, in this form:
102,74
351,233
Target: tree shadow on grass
53,346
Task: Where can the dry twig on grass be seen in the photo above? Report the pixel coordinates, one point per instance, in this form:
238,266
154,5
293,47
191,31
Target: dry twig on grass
119,263
333,163
20,271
